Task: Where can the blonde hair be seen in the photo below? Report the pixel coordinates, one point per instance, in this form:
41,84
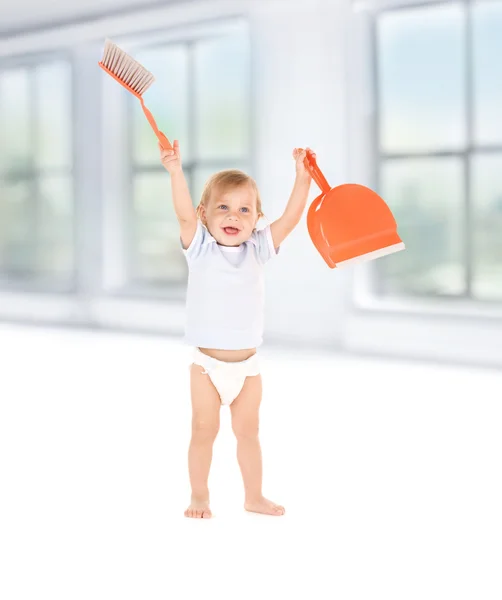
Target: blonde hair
225,180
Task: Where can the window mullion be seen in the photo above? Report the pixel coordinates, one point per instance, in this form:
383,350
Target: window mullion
130,222
375,280
192,124
34,201
468,223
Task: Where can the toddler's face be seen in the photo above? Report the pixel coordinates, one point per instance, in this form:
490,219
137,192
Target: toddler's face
231,216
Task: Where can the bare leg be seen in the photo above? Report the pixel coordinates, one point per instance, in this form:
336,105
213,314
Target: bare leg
245,424
205,425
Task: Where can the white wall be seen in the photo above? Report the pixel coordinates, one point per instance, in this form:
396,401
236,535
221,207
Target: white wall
310,88
301,101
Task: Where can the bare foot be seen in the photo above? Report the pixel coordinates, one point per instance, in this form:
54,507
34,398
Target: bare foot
265,507
199,509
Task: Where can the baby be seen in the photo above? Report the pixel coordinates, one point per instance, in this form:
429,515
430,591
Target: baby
226,256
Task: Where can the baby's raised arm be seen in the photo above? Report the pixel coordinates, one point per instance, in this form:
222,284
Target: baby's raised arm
285,224
182,201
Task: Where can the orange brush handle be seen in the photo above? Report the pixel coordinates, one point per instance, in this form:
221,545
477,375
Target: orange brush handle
164,142
315,171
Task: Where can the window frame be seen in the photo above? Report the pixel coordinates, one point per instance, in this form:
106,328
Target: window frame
34,283
125,286
365,278
99,300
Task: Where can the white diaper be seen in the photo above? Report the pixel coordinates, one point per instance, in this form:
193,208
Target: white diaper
228,377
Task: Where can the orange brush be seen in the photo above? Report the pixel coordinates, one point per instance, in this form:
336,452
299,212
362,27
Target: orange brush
134,77
349,223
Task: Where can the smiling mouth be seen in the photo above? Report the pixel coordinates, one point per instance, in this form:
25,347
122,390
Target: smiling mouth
231,230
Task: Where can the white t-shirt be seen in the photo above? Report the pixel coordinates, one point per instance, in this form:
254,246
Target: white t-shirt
225,295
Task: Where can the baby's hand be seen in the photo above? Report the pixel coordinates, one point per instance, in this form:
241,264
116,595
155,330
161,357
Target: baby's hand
299,154
171,159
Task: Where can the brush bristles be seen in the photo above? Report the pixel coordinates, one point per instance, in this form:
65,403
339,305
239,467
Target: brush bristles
128,70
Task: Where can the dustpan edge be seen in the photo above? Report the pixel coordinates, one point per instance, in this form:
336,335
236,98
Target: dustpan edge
372,255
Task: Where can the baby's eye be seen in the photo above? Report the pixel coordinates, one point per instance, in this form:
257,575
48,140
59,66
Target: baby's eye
244,209
223,206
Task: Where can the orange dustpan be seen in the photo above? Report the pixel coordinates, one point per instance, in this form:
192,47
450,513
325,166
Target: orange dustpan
349,223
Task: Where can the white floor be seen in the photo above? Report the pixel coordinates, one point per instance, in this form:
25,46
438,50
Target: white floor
390,474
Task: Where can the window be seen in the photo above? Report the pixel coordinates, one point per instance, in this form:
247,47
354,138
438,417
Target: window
439,132
36,184
200,97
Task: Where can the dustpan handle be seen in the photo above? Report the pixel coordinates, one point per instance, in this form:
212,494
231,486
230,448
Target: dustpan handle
315,171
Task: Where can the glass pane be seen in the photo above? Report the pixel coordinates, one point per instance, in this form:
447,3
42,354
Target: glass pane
55,253
16,234
156,248
15,122
167,100
426,197
421,79
199,179
222,96
487,31
486,194
53,114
